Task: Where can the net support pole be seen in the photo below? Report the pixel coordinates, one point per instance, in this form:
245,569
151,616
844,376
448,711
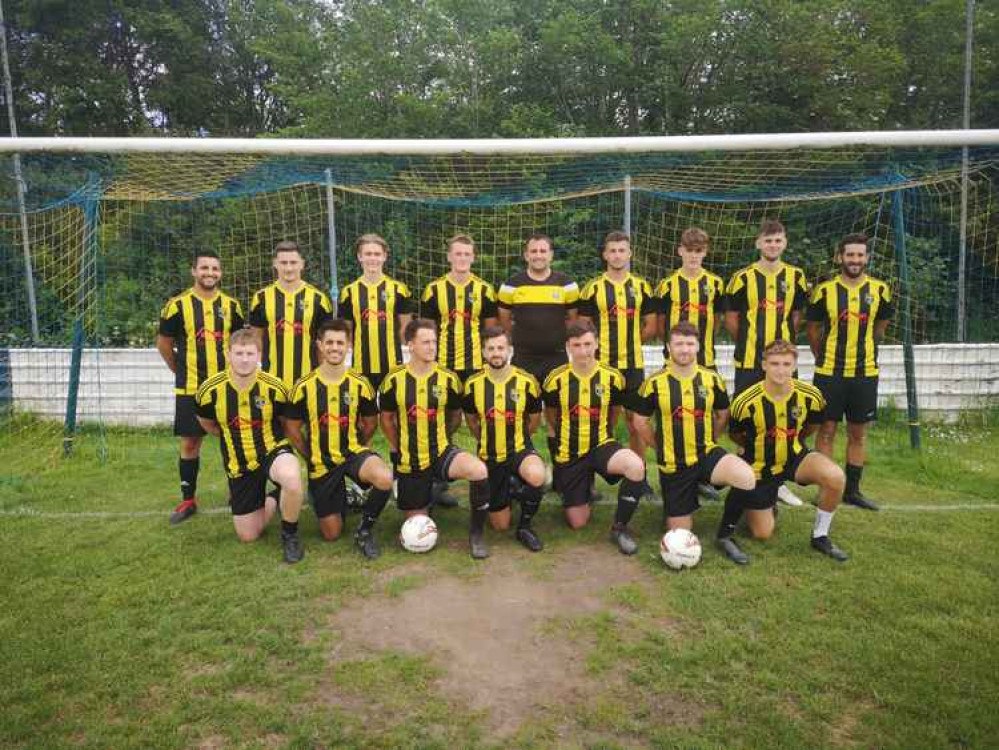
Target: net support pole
962,258
627,205
91,206
331,237
911,397
29,275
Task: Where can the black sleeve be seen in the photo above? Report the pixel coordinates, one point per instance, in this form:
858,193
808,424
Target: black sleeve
170,327
533,404
368,407
258,316
644,405
404,305
206,411
386,401
468,404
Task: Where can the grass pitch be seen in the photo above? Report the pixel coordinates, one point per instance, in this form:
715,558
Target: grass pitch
120,631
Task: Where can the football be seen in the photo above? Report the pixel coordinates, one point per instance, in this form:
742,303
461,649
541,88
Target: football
418,534
680,549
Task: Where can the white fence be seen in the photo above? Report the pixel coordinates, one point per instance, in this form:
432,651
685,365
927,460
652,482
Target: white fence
134,387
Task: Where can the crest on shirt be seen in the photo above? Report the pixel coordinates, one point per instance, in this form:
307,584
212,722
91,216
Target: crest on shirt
384,295
515,397
783,286
705,287
436,391
347,399
797,412
260,402
869,299
702,392
599,391
301,304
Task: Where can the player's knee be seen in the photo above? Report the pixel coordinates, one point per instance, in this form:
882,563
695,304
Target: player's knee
533,474
634,469
330,532
744,479
762,533
382,478
499,521
247,535
478,472
835,480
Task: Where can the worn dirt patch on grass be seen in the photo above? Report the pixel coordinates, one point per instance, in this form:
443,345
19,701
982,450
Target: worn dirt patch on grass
492,636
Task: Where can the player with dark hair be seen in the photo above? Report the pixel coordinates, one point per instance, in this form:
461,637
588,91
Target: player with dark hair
379,308
414,399
503,409
690,405
338,407
193,330
847,317
578,400
623,308
286,316
245,406
764,302
770,420
693,294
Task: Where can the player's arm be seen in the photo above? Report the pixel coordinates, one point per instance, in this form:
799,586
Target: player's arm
405,309
800,304
505,315
732,323
816,336
551,416
210,426
205,412
572,301
389,422
735,306
164,345
293,431
650,326
649,311
720,420
472,420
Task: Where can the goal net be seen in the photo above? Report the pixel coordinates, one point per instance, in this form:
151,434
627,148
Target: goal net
112,228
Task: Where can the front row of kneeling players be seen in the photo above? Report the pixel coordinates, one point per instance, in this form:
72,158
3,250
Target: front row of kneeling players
331,415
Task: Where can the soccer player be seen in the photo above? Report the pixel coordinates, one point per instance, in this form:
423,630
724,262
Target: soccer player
692,294
245,406
379,308
623,309
535,306
193,330
339,409
578,399
764,302
690,405
286,316
503,409
770,420
846,320
414,399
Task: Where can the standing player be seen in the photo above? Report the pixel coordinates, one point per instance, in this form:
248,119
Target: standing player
764,302
769,420
846,320
535,306
286,316
461,304
578,400
692,294
339,409
193,331
503,408
691,407
379,308
623,308
414,399
245,407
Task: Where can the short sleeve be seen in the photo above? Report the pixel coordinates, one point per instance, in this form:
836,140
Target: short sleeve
735,294
801,291
386,396
886,310
587,303
721,394
345,309
205,403
488,302
571,294
645,402
817,306
429,308
504,298
468,401
237,320
404,303
719,299
171,320
258,311
649,304
662,297
368,406
549,392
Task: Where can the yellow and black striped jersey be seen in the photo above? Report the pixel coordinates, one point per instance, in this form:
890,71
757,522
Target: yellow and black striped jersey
773,426
583,408
459,310
374,311
698,301
200,329
848,315
420,403
684,410
331,411
765,303
289,322
248,418
617,310
503,409
538,310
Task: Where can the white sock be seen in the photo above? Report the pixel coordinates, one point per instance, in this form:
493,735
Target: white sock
823,519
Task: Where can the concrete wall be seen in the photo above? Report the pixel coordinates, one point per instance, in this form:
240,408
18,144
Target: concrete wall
133,387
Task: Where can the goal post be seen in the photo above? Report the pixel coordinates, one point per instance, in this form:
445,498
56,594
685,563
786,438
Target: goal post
112,222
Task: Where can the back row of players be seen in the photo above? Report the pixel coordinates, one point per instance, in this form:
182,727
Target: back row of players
287,386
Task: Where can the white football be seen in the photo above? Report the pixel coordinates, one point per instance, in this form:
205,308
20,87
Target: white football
418,534
680,549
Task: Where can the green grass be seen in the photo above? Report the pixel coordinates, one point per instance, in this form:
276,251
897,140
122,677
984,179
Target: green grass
122,632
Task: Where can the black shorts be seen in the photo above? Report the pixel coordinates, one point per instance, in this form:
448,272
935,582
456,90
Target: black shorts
764,495
744,378
633,379
185,418
413,490
247,492
539,365
328,493
500,474
375,378
680,488
855,398
574,479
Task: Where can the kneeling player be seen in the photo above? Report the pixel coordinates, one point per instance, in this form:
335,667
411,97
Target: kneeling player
578,399
414,399
339,408
769,420
503,408
690,405
245,407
